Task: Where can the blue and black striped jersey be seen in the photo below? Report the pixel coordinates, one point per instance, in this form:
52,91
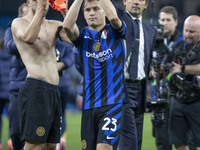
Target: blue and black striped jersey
102,56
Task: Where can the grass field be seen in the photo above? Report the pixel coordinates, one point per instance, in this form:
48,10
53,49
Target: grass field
73,140
73,132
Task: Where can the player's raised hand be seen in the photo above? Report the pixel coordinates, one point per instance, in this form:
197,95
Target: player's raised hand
58,5
64,11
42,3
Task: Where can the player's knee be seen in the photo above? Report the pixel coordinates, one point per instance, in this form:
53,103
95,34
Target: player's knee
50,146
33,145
181,147
104,146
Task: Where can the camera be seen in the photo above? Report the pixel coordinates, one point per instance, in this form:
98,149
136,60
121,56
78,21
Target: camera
188,87
160,47
159,117
158,103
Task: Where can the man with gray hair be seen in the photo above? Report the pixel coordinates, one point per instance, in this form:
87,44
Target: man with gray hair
139,43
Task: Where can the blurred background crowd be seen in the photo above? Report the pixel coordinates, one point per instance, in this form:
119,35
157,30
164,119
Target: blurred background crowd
9,11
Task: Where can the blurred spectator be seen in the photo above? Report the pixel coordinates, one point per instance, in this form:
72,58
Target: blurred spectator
18,74
65,58
4,82
168,18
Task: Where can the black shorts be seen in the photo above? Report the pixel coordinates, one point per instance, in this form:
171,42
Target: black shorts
101,125
39,111
184,123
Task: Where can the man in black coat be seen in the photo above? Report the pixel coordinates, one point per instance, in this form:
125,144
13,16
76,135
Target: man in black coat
140,43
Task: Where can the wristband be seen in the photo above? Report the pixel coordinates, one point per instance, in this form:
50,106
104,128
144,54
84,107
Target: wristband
183,68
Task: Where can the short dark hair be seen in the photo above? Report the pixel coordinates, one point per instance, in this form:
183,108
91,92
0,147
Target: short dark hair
20,9
87,1
170,10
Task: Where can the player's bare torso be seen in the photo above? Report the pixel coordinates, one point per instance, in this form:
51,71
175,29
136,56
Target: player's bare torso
39,57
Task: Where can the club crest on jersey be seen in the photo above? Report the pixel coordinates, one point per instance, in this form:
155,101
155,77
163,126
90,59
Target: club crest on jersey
97,46
40,131
104,34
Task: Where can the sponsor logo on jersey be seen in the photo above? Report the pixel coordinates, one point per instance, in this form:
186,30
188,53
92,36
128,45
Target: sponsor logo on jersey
101,56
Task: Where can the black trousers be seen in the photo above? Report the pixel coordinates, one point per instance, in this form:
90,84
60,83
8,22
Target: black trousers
132,126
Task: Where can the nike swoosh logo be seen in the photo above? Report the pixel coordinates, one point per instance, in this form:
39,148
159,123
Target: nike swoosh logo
108,137
86,37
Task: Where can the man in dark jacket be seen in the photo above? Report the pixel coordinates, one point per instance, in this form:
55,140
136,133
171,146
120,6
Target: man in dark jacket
139,44
4,81
168,17
184,88
18,74
65,59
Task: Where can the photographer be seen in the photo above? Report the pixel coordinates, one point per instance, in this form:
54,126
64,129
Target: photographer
168,18
184,116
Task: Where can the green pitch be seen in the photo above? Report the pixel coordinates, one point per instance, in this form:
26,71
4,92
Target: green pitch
73,132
